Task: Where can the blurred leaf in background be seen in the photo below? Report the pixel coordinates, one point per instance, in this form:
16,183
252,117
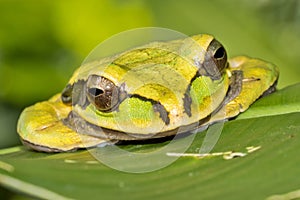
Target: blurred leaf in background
42,42
259,28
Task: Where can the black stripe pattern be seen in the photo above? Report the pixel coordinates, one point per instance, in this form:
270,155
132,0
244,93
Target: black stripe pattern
157,107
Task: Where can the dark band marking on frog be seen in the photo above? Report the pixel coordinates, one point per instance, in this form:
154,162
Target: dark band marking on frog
235,86
234,89
75,94
187,100
157,107
163,113
66,95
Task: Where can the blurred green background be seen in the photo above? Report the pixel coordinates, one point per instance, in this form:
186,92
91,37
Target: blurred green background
42,42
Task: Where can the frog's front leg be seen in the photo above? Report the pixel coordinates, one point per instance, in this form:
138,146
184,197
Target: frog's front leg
250,79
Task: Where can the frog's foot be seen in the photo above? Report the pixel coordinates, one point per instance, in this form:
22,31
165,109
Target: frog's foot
250,79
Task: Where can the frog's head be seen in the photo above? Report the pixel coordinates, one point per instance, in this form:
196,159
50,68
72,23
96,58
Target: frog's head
150,89
213,61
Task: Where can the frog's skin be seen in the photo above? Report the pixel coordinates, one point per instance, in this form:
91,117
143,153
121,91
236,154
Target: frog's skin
153,91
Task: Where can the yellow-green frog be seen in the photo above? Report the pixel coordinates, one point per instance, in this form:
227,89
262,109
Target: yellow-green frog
152,91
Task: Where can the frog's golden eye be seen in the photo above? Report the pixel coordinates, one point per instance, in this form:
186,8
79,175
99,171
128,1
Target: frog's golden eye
102,93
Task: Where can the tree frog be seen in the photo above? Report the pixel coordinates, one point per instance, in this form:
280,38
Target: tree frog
151,91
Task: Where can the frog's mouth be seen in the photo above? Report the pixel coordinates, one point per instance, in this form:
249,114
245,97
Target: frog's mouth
43,148
80,125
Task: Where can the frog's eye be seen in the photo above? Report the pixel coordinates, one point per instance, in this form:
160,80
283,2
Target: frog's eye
102,93
215,61
219,55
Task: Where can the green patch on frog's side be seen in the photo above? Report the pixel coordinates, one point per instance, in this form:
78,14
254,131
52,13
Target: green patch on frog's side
153,91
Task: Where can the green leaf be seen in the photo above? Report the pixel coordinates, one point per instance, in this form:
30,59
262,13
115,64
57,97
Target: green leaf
282,102
272,169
